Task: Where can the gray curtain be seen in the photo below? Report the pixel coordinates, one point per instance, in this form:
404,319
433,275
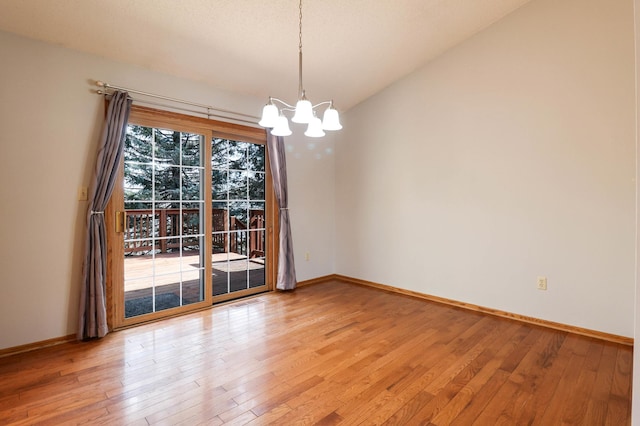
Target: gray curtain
286,269
92,317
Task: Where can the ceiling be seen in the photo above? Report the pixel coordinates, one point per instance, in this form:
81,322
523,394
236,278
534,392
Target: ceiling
352,48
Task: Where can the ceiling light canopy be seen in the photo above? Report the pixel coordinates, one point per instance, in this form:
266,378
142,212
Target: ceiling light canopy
304,111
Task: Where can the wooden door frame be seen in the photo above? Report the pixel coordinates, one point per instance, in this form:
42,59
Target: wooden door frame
115,242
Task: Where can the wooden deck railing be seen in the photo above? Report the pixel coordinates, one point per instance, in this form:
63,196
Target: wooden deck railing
142,227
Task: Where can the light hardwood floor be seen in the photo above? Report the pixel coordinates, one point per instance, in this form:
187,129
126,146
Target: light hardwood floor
331,353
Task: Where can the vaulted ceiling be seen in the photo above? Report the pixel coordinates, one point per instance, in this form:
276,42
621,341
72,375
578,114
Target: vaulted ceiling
352,48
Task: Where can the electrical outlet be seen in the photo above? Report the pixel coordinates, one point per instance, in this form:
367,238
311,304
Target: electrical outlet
542,283
306,256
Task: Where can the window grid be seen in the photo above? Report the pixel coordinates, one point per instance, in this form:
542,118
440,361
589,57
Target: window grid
225,167
156,164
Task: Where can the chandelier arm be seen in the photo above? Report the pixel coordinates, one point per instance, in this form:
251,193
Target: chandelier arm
322,103
289,107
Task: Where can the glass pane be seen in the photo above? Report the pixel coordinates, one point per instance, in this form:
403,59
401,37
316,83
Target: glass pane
139,223
218,259
191,178
191,261
238,272
256,215
191,219
167,182
138,181
256,186
192,286
219,151
191,149
138,248
167,147
257,205
238,244
136,271
170,245
219,242
238,155
256,273
137,205
220,217
168,293
191,247
256,244
237,185
257,237
238,215
256,155
138,144
165,223
220,280
219,184
138,298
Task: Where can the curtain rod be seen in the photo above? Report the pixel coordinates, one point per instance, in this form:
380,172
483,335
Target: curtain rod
107,86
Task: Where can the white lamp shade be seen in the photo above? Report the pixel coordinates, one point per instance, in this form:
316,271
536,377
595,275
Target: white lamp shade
331,119
269,116
304,112
314,130
281,127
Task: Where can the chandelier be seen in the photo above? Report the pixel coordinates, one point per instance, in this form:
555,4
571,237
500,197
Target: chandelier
304,111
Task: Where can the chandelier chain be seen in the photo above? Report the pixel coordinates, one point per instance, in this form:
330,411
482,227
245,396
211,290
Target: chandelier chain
300,27
300,87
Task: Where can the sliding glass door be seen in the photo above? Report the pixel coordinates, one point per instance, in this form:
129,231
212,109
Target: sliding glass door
238,210
164,251
190,222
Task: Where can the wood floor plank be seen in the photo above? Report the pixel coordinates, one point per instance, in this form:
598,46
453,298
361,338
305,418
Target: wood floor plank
565,392
619,405
471,380
597,404
453,378
273,416
554,360
327,354
410,409
316,406
81,416
528,375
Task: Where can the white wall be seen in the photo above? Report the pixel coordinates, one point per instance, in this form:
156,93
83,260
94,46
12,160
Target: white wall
509,157
50,123
311,171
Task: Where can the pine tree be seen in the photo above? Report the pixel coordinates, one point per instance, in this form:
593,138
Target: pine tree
174,158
